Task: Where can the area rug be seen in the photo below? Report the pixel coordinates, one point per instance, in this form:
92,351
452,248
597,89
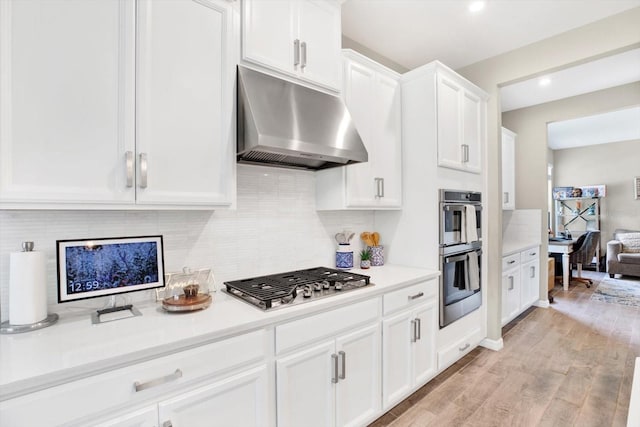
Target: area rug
618,291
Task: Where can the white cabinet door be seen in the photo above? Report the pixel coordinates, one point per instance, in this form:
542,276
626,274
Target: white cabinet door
397,358
530,277
372,95
144,417
508,170
408,351
305,395
511,289
358,387
359,97
319,28
424,362
387,124
268,33
461,116
66,110
240,400
300,38
184,103
449,113
473,116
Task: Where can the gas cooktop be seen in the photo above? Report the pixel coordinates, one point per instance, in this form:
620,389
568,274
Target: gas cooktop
295,287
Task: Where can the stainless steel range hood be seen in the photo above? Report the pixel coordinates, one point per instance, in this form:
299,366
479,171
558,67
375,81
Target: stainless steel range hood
288,125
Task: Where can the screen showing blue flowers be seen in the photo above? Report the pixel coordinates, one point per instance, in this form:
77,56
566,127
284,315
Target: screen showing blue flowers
94,267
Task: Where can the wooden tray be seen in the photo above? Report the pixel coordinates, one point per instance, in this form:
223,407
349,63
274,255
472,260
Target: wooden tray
199,302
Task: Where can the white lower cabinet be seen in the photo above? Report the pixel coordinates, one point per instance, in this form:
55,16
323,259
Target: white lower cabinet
188,388
520,282
334,383
408,341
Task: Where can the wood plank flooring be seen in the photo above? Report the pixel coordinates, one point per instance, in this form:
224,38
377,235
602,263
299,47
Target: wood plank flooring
567,365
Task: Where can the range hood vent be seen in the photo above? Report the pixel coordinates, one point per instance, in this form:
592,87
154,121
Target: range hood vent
284,124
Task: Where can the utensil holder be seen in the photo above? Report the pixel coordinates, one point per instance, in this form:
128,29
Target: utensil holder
377,255
344,256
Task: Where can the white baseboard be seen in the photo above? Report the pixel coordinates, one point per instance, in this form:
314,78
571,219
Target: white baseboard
495,345
542,303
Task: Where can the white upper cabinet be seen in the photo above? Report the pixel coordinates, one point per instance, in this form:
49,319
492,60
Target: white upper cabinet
67,103
461,116
87,124
372,95
184,103
300,38
508,169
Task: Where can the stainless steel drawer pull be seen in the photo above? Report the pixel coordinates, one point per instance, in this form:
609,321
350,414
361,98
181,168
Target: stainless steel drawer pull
343,357
511,262
129,166
158,381
533,253
143,170
334,374
296,52
464,347
416,296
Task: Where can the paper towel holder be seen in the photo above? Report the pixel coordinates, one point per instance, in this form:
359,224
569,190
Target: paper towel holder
8,328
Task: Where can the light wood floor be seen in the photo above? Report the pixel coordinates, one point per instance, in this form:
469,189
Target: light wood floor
567,365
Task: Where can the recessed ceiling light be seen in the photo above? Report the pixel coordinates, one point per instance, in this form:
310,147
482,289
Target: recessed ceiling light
544,81
476,6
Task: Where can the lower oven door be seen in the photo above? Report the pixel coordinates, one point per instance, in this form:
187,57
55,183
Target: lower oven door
460,285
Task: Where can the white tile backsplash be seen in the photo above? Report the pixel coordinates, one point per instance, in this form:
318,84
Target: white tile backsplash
274,228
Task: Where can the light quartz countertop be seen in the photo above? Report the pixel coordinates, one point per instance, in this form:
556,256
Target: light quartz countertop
511,247
73,348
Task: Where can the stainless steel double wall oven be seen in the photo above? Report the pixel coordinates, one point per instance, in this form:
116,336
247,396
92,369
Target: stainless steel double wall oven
460,254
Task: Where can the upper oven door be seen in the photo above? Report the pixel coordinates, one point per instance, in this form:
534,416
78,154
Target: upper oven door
452,216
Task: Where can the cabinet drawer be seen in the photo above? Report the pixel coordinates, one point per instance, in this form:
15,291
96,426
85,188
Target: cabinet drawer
451,354
312,328
144,380
530,254
410,295
510,261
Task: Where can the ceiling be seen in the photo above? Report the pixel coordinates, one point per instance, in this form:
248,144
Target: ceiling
414,32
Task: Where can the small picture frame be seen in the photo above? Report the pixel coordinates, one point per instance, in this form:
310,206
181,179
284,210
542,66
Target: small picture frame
91,268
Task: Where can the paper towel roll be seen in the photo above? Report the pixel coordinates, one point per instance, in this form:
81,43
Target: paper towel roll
27,288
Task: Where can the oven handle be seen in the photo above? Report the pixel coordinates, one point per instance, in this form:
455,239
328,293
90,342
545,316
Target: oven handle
460,257
449,207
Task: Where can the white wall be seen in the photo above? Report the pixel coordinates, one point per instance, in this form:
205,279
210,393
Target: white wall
614,165
613,34
274,229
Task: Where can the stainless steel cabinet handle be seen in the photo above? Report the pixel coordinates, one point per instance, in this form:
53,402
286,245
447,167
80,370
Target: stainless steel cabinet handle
381,187
511,262
334,374
414,325
128,156
143,170
167,424
158,381
296,52
533,253
343,357
511,283
464,347
466,153
419,323
506,197
303,48
416,296
533,272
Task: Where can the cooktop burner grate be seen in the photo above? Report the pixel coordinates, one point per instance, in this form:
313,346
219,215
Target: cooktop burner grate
277,289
